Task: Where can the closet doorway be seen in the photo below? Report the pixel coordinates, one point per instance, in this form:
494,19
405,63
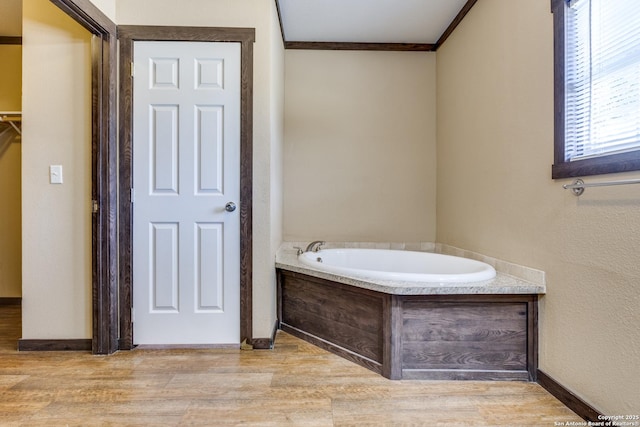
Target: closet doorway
98,329
10,162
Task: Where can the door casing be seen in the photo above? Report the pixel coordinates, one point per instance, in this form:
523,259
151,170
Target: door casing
127,35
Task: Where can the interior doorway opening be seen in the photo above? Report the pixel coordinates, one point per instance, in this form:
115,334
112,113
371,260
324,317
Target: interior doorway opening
10,161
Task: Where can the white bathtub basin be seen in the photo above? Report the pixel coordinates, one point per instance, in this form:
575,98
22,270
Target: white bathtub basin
407,266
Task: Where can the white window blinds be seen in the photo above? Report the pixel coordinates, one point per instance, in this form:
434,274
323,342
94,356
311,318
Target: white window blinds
602,78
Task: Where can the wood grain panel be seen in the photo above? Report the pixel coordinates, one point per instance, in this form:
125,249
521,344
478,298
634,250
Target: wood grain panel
464,375
391,338
464,322
532,337
247,38
349,355
463,355
471,337
54,345
343,335
347,318
486,336
125,212
337,305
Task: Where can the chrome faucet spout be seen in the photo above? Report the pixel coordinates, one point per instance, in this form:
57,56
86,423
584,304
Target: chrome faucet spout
314,246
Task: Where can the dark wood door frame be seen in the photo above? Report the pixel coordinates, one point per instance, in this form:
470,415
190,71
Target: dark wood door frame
103,171
127,35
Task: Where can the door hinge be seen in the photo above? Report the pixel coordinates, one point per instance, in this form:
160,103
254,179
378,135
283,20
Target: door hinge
133,70
133,315
94,206
133,195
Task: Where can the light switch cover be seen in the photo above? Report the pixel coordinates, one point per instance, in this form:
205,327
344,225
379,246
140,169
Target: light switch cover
55,174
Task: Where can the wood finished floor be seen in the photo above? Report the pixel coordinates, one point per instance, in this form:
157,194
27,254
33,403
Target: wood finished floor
296,384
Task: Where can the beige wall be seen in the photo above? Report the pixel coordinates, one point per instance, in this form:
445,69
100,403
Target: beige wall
10,220
56,219
108,7
360,161
276,160
267,135
496,197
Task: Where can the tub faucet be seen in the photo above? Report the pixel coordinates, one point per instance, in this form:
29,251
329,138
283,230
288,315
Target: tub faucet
314,246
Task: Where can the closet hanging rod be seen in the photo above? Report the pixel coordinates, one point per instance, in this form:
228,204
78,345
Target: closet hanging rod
579,185
12,117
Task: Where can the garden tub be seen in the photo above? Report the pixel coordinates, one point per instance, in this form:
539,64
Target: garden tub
408,266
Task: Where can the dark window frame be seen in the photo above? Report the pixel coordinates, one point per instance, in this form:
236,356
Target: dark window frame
613,163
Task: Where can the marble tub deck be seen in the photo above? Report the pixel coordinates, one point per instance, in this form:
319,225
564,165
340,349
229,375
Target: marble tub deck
502,284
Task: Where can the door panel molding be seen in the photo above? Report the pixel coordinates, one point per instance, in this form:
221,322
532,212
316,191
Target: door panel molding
186,140
103,171
127,35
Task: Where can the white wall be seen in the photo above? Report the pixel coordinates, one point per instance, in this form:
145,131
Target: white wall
360,146
267,129
496,197
56,219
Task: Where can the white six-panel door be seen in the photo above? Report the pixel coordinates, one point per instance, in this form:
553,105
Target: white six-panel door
186,157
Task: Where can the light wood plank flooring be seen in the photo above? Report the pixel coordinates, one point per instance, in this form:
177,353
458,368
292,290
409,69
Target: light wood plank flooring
296,384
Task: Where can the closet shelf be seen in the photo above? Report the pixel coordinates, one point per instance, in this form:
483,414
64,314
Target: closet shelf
13,118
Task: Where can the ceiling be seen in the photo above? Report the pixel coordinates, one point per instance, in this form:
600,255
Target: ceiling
421,22
368,21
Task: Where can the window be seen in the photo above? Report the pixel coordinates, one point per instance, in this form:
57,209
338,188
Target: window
597,86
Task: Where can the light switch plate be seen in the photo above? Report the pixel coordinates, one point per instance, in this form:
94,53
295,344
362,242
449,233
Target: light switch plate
55,174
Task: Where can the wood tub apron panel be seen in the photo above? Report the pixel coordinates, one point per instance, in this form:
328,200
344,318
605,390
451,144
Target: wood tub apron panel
440,337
